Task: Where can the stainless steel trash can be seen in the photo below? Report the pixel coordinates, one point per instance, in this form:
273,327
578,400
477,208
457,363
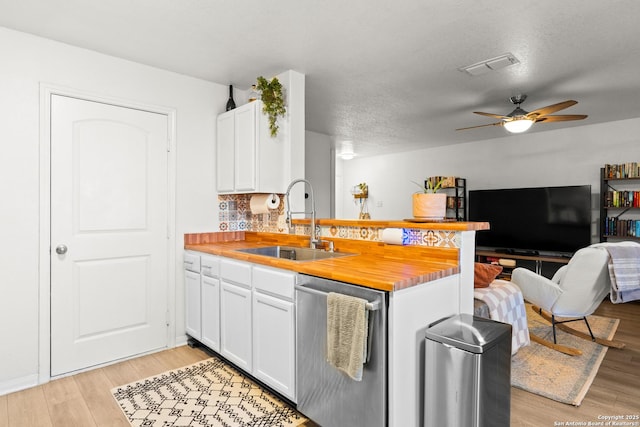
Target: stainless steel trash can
467,373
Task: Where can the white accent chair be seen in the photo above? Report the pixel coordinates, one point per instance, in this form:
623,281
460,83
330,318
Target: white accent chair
575,291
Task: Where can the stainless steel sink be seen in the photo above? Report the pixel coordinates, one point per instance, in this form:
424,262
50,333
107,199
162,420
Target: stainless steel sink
294,253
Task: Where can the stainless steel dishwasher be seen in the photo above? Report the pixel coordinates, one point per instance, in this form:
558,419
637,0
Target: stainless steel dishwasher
327,396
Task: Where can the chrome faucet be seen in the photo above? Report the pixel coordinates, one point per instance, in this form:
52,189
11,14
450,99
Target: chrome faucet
314,239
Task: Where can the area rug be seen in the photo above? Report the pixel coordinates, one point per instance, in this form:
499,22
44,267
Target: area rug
207,393
555,375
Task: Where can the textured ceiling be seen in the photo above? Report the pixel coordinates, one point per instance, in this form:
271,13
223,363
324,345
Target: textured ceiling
383,74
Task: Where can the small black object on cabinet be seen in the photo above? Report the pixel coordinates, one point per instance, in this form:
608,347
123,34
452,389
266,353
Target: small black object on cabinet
231,103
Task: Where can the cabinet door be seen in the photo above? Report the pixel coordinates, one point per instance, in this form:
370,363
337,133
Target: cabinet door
245,139
210,312
192,304
274,343
235,324
225,152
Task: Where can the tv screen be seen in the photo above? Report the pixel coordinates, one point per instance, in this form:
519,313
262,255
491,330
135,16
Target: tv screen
533,220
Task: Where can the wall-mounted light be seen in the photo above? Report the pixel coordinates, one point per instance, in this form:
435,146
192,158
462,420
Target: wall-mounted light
346,152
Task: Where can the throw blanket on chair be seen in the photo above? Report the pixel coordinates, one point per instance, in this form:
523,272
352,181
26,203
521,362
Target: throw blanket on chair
624,271
506,305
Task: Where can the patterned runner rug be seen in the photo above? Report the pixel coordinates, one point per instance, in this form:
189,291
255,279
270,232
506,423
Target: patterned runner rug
555,375
207,393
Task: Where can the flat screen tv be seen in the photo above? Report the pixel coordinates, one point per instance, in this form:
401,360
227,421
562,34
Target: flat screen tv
552,220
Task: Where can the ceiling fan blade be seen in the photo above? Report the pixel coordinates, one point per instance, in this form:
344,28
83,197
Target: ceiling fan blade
481,126
563,118
495,116
549,109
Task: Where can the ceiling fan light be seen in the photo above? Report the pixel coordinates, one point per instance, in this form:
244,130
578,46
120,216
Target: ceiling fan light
518,125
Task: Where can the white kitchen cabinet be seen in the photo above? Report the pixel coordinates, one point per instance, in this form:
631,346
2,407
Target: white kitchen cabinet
225,153
248,159
235,312
274,329
246,312
210,305
247,137
274,343
192,294
235,324
192,298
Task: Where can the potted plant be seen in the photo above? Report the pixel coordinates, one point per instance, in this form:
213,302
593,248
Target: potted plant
272,101
428,203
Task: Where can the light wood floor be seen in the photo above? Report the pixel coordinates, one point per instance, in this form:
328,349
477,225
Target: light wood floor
615,390
85,399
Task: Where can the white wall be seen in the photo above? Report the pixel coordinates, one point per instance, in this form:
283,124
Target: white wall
318,171
26,62
571,156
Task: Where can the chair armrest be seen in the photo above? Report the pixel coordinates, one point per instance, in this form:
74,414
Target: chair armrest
536,289
559,276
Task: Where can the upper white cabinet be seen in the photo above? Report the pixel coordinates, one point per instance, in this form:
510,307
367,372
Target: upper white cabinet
225,152
248,159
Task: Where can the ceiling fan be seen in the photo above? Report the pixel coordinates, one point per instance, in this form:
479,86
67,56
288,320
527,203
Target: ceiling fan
520,120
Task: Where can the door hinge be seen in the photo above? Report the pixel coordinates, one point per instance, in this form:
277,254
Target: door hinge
168,145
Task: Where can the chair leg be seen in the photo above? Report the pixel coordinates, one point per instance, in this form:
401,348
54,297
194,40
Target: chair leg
561,324
593,338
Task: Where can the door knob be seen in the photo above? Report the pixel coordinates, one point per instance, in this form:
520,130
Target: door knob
61,249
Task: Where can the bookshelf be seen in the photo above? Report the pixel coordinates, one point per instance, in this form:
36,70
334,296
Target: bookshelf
456,190
620,202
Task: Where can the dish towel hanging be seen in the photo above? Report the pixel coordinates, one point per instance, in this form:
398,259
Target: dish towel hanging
347,329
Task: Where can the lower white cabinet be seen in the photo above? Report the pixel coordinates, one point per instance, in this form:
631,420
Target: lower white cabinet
192,301
245,312
274,328
192,294
235,312
274,342
235,324
210,289
202,298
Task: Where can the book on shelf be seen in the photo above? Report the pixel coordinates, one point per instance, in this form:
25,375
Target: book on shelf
622,170
622,199
451,202
615,227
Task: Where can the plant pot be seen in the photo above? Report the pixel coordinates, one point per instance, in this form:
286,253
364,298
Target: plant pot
429,205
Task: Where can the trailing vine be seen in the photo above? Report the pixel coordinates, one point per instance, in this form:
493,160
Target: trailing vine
272,101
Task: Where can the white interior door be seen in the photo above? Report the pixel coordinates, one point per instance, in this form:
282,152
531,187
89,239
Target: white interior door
109,201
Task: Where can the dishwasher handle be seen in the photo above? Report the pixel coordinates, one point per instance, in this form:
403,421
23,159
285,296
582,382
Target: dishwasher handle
371,306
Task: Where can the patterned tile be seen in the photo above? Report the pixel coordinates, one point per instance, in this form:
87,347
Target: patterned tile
235,214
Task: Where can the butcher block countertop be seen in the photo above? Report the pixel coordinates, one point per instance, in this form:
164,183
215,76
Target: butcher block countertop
374,264
451,225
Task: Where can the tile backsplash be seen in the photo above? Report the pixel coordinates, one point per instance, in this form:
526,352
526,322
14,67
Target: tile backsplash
235,215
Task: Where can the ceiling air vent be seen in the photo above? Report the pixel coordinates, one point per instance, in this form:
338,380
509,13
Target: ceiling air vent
488,65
